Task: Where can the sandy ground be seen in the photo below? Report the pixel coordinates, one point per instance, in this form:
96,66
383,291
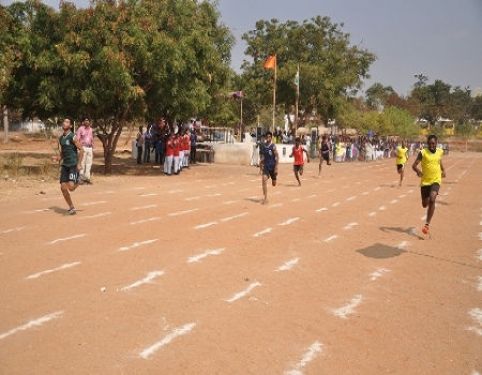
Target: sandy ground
191,275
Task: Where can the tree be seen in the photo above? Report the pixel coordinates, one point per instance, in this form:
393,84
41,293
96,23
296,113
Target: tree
377,95
466,131
330,67
476,108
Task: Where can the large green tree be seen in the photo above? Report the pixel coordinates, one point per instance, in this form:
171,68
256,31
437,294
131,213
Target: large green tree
330,66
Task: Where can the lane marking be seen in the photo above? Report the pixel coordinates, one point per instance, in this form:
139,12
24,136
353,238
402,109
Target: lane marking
93,203
137,244
145,220
39,210
289,221
263,232
244,292
198,257
377,188
207,225
378,273
276,205
402,245
311,196
143,207
148,195
410,191
137,188
348,309
321,209
175,191
17,229
476,315
479,285
350,226
401,196
310,354
146,280
393,201
286,266
66,238
336,204
371,214
331,238
214,195
192,198
178,213
365,193
46,272
229,218
175,333
382,208
351,198
229,202
102,214
479,254
32,323
295,200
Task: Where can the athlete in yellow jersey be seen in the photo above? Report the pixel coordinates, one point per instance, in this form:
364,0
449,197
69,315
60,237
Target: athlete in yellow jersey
431,174
402,158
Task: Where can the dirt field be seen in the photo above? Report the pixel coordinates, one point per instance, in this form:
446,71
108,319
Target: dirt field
191,275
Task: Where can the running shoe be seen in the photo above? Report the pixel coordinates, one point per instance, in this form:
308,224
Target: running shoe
425,229
71,211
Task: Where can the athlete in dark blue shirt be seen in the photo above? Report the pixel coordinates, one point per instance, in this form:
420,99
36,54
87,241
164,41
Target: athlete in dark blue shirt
269,164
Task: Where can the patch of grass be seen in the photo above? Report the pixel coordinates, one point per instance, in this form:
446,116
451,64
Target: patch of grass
12,165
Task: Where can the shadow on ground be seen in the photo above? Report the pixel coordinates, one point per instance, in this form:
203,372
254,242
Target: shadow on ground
410,231
380,251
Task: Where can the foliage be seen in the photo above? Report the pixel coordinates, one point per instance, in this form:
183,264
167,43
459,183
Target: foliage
377,95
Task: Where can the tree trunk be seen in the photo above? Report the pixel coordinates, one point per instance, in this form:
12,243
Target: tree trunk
5,124
110,145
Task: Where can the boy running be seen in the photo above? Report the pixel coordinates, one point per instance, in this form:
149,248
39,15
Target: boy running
71,162
402,158
324,152
298,164
431,174
268,164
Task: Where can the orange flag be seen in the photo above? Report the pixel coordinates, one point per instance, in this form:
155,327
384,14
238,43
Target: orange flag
270,62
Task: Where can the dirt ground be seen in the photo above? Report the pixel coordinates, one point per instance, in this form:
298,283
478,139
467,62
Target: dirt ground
192,275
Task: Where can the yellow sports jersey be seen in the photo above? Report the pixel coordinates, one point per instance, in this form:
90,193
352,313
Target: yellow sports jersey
401,155
431,170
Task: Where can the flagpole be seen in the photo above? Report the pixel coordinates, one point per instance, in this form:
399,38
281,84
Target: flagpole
274,92
297,97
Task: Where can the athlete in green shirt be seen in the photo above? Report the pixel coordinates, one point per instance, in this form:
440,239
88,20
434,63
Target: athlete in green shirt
71,152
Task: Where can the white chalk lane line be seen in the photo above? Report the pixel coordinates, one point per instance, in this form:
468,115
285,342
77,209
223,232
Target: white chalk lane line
197,258
137,244
148,279
350,226
32,323
310,354
143,207
143,221
378,273
476,315
331,238
175,333
102,214
289,221
207,225
348,309
11,230
66,239
263,232
46,272
86,204
244,292
286,266
184,212
229,218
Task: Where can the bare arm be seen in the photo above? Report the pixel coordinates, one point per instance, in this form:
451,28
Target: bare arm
416,163
81,152
443,169
276,158
307,156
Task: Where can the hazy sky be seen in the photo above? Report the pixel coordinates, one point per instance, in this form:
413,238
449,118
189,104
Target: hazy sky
440,38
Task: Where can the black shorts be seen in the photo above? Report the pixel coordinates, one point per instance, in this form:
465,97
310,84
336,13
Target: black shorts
297,168
69,174
400,167
326,156
427,190
270,173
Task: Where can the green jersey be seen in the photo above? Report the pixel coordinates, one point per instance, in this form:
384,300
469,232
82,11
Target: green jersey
68,149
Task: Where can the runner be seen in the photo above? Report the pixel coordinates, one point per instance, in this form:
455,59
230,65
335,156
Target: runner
169,159
268,165
324,153
402,158
297,152
70,166
431,174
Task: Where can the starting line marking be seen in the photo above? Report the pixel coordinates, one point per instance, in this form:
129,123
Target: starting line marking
137,244
148,195
263,232
351,198
378,273
178,213
202,226
198,257
17,229
145,220
286,266
46,272
176,332
144,207
146,280
244,292
348,309
229,218
102,214
33,323
289,221
350,226
310,354
321,209
66,238
331,238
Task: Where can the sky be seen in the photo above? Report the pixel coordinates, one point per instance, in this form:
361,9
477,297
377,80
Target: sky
439,38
